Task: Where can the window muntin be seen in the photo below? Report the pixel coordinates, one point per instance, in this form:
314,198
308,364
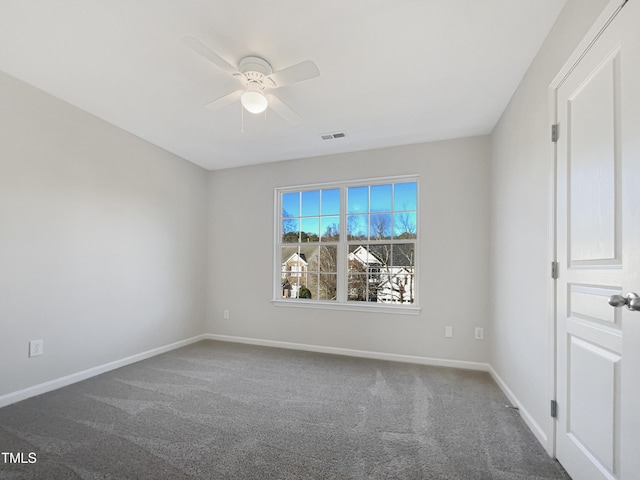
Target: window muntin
381,272
381,212
310,216
309,271
373,261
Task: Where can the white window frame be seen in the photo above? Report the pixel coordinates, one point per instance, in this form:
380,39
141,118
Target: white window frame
341,303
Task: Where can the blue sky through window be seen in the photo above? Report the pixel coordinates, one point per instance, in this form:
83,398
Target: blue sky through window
311,203
404,196
376,212
312,215
358,199
381,211
381,198
331,202
291,204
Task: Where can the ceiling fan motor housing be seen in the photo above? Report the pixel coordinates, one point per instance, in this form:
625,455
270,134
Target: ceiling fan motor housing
254,70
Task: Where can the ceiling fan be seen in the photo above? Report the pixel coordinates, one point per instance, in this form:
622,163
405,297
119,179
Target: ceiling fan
257,76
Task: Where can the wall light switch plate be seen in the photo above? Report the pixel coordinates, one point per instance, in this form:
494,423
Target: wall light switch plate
448,332
479,333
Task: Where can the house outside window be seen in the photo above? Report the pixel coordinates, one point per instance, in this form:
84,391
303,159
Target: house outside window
348,243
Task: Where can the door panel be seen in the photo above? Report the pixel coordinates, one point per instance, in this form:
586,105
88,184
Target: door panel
593,434
592,150
598,251
590,303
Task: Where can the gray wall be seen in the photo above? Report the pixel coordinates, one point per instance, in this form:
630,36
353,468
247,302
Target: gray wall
521,173
102,240
453,253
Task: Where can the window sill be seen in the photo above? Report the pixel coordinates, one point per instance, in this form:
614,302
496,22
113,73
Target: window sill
350,307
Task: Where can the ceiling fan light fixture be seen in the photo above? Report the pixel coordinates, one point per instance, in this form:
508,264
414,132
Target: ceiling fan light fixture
254,102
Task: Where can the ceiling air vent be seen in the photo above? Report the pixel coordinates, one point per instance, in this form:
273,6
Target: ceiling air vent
334,135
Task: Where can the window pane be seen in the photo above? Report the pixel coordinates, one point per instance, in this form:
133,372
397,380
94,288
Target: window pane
312,258
392,279
357,288
286,287
291,204
358,258
403,284
331,202
362,288
358,200
311,287
404,272
380,226
290,230
305,292
293,271
380,198
403,255
374,285
330,229
285,272
310,229
310,254
367,271
328,259
357,227
327,288
311,203
379,255
404,225
404,196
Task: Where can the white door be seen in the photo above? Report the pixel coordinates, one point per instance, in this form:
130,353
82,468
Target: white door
598,249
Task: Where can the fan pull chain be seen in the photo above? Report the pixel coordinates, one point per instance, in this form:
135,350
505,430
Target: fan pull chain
241,119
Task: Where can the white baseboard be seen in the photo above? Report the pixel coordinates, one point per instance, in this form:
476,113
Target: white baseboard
440,362
526,416
45,387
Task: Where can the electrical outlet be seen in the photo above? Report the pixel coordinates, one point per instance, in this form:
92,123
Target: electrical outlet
479,333
448,332
36,347
225,314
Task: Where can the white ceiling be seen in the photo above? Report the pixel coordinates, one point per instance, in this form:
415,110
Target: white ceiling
391,72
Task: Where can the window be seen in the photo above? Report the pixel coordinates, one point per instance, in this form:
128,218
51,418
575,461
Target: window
310,226
348,243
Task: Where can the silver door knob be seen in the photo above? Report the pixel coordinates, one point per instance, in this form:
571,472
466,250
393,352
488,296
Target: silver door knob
631,300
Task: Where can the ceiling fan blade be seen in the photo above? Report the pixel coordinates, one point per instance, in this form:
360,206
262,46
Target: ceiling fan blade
224,101
294,74
278,106
209,54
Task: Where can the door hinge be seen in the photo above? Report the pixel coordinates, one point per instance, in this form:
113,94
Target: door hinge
554,409
554,270
554,133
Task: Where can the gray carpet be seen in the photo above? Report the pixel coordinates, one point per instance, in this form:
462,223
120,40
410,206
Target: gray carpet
224,411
